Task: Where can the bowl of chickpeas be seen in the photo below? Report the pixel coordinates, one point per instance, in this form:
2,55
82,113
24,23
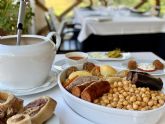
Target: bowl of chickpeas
124,103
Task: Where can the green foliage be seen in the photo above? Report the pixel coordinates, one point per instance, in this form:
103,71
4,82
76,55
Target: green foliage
9,14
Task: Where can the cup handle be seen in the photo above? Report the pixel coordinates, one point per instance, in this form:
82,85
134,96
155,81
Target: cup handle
57,38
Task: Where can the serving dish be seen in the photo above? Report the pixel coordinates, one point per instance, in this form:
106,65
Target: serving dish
102,56
105,115
147,61
63,64
27,65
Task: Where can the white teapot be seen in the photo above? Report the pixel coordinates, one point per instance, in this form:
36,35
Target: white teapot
29,64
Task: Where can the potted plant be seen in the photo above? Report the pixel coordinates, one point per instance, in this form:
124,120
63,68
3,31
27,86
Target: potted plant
8,17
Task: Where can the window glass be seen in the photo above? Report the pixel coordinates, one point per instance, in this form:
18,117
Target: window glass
60,5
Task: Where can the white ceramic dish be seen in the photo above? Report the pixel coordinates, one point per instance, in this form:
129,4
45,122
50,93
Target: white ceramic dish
102,56
104,115
63,64
49,83
157,72
84,57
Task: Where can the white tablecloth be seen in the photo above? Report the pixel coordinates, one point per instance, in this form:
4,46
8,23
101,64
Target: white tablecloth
64,113
117,22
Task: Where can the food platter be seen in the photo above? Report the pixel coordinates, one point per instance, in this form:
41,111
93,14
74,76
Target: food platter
49,83
147,61
103,56
85,108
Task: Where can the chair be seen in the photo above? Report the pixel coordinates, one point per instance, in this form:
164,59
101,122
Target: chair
66,29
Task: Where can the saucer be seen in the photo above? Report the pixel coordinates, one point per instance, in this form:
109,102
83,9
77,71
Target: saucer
49,83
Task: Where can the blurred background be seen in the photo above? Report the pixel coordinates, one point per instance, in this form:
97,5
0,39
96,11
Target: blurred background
90,25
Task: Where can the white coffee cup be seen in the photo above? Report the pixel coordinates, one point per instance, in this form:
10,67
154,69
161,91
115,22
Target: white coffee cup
28,65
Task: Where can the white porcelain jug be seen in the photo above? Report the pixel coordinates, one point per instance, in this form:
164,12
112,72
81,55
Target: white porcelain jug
28,65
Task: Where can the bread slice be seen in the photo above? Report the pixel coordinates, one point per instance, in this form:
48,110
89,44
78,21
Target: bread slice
41,109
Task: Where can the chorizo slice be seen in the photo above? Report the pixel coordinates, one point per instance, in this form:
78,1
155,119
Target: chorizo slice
76,90
95,90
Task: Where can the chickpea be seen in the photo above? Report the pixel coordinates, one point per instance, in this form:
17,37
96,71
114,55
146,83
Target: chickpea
102,103
133,99
120,84
106,101
138,98
125,83
154,107
129,107
110,98
135,106
115,90
119,88
115,99
121,96
113,104
125,94
150,103
143,90
121,91
136,91
110,95
133,86
145,99
147,92
143,104
104,97
121,100
143,95
115,95
161,102
109,105
138,102
143,109
125,103
119,105
115,84
154,98
128,98
131,90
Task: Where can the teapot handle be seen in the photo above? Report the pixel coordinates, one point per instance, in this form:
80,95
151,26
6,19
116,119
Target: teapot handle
57,37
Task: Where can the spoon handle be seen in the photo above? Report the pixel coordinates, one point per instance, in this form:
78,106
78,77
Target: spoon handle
21,16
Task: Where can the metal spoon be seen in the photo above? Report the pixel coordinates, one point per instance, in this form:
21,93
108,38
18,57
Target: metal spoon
21,16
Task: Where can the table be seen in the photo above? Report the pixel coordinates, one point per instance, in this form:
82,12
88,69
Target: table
107,21
65,114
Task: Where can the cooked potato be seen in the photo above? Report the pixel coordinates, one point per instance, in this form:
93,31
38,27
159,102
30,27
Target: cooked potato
107,70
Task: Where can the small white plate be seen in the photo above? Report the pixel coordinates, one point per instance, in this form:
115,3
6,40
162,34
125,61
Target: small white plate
50,83
102,56
157,72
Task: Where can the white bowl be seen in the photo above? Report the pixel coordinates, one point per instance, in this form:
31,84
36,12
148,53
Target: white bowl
105,115
28,65
76,54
